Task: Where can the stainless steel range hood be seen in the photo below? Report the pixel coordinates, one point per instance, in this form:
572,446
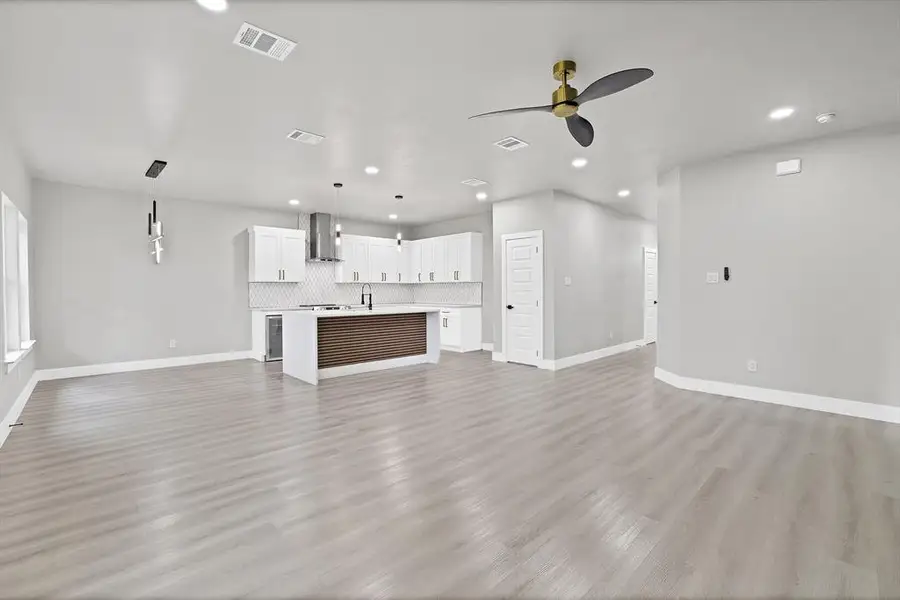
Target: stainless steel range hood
321,239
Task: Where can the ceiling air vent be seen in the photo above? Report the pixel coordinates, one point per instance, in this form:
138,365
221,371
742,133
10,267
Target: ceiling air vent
474,182
305,137
265,42
511,144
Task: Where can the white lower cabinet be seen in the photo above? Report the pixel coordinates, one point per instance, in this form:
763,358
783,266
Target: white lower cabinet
461,329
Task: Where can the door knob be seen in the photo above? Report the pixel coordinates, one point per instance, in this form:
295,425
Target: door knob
655,302
509,307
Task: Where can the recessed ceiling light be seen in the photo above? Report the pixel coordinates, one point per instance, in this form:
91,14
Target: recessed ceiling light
371,170
781,113
579,162
825,118
392,217
624,193
214,5
481,196
294,202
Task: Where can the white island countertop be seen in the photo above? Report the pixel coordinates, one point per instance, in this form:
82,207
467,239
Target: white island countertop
362,312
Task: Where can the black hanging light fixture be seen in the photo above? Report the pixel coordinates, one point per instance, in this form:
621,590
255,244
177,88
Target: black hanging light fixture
337,213
399,198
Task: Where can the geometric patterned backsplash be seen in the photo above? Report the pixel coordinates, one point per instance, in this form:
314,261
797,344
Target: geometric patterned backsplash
320,288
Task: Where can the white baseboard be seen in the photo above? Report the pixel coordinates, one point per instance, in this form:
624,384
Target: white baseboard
838,406
140,365
378,365
487,347
580,359
16,409
498,357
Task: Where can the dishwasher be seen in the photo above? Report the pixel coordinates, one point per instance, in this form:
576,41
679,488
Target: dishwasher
273,338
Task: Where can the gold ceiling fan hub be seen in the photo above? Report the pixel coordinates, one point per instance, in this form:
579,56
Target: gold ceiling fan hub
564,96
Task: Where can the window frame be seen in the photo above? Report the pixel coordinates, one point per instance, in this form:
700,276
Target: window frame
17,339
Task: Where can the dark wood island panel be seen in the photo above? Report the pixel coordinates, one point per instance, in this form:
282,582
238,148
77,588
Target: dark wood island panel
350,340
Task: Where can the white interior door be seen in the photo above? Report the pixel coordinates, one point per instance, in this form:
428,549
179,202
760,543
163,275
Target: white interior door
523,322
651,295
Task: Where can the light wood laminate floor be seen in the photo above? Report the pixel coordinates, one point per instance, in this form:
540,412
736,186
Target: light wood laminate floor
465,479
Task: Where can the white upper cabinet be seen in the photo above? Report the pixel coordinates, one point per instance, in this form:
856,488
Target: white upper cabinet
354,266
464,257
414,262
277,254
439,270
384,261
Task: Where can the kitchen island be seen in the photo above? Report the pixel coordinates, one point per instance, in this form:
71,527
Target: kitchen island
324,344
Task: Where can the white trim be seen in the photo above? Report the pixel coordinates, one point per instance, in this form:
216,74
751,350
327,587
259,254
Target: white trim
580,359
838,406
487,347
141,365
11,359
376,365
16,409
504,238
498,357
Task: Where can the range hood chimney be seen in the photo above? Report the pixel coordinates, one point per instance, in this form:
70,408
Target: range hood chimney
321,239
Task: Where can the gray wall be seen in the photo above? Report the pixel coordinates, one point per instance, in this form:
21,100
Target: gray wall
668,339
601,251
15,183
100,298
480,223
815,281
529,213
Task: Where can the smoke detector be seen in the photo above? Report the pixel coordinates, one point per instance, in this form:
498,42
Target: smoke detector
825,118
264,42
511,144
473,182
305,137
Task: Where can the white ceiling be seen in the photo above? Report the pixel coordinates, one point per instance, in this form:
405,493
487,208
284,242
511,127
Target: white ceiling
94,92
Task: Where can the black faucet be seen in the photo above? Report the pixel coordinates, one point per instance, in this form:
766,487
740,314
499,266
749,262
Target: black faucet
363,300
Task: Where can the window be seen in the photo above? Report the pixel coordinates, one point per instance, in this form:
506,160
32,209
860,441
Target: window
16,314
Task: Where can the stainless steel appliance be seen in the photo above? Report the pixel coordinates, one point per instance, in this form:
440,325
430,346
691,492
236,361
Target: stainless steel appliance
273,338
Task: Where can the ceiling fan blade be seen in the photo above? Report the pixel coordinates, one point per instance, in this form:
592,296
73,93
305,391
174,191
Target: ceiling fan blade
510,111
581,129
613,83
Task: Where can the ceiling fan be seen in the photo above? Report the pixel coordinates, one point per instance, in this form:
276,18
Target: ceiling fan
566,99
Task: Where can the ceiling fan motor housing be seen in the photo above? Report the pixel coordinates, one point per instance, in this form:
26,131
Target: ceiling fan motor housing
564,97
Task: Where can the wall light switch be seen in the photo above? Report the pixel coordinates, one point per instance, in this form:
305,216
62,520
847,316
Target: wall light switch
752,366
567,280
712,277
173,343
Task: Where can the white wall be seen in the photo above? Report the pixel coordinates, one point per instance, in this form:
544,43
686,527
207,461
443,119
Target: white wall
480,223
15,183
601,251
814,261
100,298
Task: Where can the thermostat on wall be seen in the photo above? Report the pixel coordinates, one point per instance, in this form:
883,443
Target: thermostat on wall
788,167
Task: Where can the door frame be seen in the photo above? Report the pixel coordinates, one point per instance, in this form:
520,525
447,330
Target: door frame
538,234
644,251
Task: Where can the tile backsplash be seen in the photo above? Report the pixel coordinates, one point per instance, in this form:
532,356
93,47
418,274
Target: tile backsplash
320,288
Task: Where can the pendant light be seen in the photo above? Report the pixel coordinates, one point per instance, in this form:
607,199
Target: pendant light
398,198
337,213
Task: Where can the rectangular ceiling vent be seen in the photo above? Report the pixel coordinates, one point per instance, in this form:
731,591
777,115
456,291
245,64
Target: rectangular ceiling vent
511,144
305,137
264,42
474,182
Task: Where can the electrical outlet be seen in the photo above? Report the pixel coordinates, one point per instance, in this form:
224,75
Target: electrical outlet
567,280
712,277
610,335
752,366
173,343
